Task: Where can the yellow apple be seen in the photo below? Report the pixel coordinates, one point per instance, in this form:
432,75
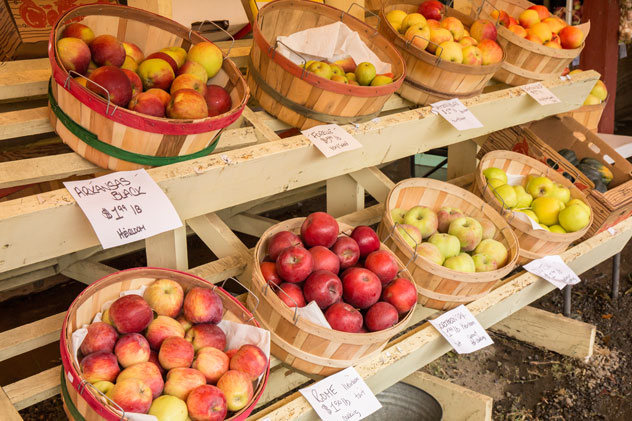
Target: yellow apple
168,408
581,203
412,19
492,172
591,100
418,35
574,218
529,213
506,195
395,18
547,209
558,229
562,193
321,69
524,198
494,249
599,90
540,187
380,80
450,51
545,227
365,72
397,215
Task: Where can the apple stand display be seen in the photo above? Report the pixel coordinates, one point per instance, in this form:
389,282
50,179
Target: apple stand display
526,61
119,139
302,344
83,401
534,244
301,98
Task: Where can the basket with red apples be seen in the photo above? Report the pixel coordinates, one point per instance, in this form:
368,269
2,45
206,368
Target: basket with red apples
163,343
330,294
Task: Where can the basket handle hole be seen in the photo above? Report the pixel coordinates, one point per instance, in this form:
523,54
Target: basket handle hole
608,159
594,147
579,136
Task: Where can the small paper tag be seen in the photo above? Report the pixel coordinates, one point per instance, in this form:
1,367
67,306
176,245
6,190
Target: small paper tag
70,377
124,206
540,93
612,231
343,396
461,329
331,139
575,62
526,218
554,270
456,114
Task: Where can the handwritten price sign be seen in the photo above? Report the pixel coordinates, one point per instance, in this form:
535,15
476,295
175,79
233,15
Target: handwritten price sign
461,329
456,114
554,270
331,139
540,93
125,206
343,396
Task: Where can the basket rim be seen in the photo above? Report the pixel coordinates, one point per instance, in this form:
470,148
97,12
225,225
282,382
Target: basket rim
442,271
72,374
519,224
532,47
121,114
314,80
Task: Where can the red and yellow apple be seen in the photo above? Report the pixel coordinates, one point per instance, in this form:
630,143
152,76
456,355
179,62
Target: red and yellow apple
528,18
211,362
455,26
148,373
74,54
147,103
130,313
132,395
132,348
207,403
206,334
181,381
99,366
437,37
188,81
101,337
175,352
187,104
249,359
208,55
237,388
107,51
472,56
571,37
133,51
161,328
195,69
491,53
483,29
178,54
78,30
155,73
164,97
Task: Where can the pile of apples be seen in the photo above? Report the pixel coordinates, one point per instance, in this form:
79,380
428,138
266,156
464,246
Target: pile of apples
536,24
447,37
172,366
598,94
171,82
340,273
346,71
549,204
453,240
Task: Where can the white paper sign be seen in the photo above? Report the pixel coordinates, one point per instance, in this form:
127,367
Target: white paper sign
461,329
124,206
554,270
456,114
331,139
540,93
343,396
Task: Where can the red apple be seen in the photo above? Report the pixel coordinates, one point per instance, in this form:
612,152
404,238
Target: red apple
361,287
211,362
325,259
401,293
155,73
132,395
280,241
74,54
218,100
251,360
188,81
237,388
341,316
99,366
161,328
137,84
347,251
319,229
101,337
323,287
78,30
380,316
115,81
107,51
233,351
153,358
181,381
187,104
201,305
291,295
206,403
383,264
206,334
148,373
431,9
165,296
367,240
175,352
268,270
161,94
133,51
294,264
130,314
131,349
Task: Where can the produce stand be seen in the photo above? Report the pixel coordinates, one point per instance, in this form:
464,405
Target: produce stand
254,170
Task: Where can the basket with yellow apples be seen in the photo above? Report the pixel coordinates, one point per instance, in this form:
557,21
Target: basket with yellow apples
457,246
539,46
310,94
121,110
162,343
589,114
545,210
330,294
447,54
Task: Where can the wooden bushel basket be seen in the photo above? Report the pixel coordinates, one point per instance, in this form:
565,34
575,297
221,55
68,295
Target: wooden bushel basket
120,139
298,97
442,288
428,78
81,400
534,244
301,343
526,61
588,116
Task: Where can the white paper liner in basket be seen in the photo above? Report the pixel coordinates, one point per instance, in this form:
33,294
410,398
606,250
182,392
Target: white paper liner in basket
237,334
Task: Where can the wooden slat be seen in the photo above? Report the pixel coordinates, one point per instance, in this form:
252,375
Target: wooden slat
30,336
8,411
27,122
344,195
375,182
168,249
87,272
45,168
34,389
24,78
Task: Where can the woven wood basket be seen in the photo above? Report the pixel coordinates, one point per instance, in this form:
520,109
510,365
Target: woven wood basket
428,78
588,116
534,244
120,139
526,61
300,343
81,401
300,98
440,287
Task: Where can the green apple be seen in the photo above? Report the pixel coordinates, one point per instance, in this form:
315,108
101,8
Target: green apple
545,227
336,70
446,215
448,245
103,386
350,76
558,229
495,173
168,408
561,192
308,63
574,218
410,234
591,100
380,80
468,230
321,69
484,263
494,183
547,209
540,187
365,72
581,203
431,252
397,215
494,249
524,199
529,213
461,263
506,195
425,219
600,91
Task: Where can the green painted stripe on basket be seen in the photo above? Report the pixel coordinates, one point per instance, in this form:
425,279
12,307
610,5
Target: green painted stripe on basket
70,405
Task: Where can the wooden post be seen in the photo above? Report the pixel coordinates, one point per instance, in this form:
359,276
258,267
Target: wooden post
601,52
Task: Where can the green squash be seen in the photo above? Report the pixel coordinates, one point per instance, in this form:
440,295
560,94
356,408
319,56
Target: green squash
606,174
589,171
569,155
